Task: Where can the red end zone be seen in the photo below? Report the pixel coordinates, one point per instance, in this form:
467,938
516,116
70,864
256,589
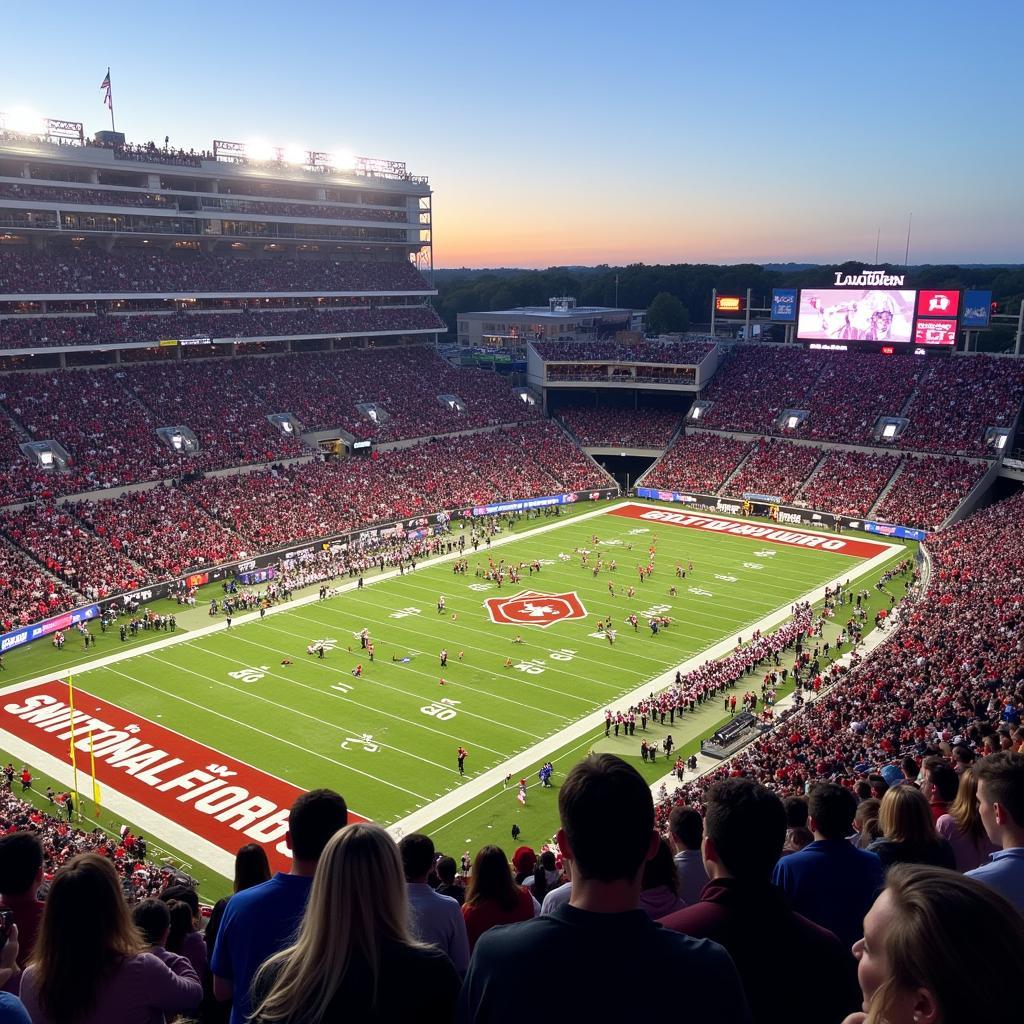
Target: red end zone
225,801
852,546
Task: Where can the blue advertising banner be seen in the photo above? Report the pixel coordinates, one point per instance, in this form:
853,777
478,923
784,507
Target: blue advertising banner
977,309
784,305
27,634
888,530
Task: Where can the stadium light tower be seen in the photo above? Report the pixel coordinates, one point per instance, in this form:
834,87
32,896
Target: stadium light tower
297,155
342,159
259,150
24,121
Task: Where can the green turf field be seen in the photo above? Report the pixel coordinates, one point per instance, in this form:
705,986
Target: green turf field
387,739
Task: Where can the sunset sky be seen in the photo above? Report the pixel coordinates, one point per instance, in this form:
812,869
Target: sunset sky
583,133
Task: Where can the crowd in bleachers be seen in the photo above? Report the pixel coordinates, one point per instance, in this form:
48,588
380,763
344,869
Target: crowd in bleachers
757,382
928,489
848,483
958,399
28,592
107,419
271,507
775,469
161,530
69,551
684,352
362,211
698,462
38,192
949,402
854,390
941,684
614,427
135,270
42,332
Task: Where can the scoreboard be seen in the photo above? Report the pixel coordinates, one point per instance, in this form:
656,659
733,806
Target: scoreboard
871,316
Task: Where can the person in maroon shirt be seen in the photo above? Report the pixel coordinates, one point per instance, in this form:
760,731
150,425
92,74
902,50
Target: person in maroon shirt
21,874
492,896
740,908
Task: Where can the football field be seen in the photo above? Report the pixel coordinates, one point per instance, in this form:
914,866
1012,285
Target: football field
204,738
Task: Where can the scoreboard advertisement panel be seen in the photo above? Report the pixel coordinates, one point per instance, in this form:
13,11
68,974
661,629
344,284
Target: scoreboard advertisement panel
934,332
856,314
945,304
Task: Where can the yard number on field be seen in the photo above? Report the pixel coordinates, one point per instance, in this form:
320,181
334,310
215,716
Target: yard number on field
250,675
443,710
366,740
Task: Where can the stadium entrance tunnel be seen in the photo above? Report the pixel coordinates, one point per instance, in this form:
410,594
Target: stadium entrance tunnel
626,469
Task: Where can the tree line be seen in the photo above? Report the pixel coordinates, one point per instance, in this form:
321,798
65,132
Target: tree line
683,291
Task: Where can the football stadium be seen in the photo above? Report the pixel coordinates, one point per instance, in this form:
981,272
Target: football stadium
719,628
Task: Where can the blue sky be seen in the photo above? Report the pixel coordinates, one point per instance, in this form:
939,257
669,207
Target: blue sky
567,132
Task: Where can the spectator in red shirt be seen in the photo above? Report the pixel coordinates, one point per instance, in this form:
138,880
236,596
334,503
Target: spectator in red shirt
939,783
492,896
21,874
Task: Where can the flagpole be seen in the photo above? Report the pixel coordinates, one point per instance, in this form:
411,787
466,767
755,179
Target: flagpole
110,96
74,760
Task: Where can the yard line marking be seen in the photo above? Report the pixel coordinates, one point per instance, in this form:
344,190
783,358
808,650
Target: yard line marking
263,732
295,711
335,695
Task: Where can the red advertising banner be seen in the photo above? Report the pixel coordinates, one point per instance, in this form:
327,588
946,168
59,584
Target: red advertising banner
223,800
852,546
944,304
935,332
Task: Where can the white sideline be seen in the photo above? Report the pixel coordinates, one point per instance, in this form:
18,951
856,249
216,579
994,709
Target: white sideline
222,861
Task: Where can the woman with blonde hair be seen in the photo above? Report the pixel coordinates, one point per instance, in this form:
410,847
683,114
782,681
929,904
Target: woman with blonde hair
938,948
354,957
908,831
961,826
90,964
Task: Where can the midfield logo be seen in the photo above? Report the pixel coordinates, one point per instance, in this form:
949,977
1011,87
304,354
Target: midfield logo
531,608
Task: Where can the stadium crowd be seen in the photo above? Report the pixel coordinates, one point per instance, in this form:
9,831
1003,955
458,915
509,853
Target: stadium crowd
958,399
699,462
928,489
756,383
124,270
775,469
70,552
848,483
38,192
27,591
949,402
161,530
628,428
111,329
682,352
107,419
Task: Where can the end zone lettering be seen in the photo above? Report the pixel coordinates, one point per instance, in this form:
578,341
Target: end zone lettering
856,548
214,795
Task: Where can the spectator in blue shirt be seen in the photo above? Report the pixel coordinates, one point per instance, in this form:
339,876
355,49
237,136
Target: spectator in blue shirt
1001,806
830,881
434,919
260,921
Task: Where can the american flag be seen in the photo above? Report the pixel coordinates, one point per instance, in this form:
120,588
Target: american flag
105,84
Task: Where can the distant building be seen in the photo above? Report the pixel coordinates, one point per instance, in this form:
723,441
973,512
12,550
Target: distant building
560,320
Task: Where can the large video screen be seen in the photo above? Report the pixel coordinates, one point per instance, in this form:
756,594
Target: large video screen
856,314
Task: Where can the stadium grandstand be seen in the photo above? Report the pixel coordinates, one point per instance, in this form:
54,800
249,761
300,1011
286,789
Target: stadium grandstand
224,401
